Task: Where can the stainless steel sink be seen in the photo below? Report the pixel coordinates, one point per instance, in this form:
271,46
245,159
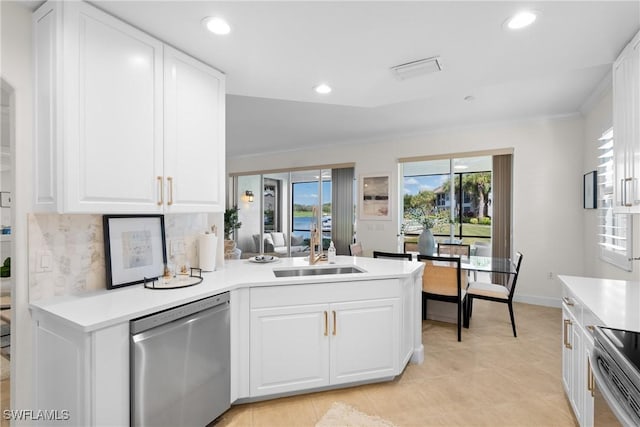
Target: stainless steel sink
316,271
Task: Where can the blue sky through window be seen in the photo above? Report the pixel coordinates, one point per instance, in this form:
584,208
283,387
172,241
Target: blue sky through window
415,184
306,193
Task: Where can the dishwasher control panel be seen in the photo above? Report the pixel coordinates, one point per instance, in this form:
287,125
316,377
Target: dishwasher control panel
156,319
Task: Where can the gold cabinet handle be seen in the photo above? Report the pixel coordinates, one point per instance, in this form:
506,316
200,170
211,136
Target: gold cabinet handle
567,301
160,190
567,344
591,382
170,180
326,323
335,328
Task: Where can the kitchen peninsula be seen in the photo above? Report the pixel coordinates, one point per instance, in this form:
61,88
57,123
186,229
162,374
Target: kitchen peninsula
288,334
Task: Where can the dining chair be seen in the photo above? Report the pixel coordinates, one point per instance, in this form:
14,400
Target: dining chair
411,247
494,292
355,249
442,280
454,249
391,255
482,249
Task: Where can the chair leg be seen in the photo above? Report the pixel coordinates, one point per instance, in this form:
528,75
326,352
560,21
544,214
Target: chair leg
459,321
424,307
465,306
470,306
513,322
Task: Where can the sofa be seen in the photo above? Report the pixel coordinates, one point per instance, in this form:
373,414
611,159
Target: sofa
276,242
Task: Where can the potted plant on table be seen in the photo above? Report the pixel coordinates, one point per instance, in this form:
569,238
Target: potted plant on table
231,224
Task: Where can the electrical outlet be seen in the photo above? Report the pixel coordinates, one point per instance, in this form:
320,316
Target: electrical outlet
550,275
177,247
44,263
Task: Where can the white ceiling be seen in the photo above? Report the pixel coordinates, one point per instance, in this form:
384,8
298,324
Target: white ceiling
277,51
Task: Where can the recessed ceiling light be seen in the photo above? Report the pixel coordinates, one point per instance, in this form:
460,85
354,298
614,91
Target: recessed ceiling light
216,25
322,88
521,19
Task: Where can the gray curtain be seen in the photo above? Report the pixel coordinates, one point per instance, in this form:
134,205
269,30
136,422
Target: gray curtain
501,221
342,209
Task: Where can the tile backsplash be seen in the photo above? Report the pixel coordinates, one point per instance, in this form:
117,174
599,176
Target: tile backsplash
66,252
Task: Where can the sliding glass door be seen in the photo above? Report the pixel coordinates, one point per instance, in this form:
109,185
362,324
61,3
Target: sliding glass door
456,191
279,210
311,207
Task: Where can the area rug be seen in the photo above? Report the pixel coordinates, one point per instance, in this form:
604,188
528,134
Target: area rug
4,368
343,415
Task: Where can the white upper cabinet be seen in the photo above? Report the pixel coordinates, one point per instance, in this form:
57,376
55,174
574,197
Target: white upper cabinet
103,141
193,134
626,128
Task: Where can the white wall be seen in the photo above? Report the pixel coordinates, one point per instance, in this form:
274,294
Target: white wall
16,70
598,119
547,186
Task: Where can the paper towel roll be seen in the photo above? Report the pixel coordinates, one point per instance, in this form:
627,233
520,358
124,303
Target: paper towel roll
207,250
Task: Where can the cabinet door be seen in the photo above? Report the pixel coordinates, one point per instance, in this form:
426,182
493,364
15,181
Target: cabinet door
112,84
194,155
578,372
626,110
567,353
587,410
364,340
289,348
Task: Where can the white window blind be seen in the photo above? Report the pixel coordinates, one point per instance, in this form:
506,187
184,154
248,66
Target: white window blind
614,231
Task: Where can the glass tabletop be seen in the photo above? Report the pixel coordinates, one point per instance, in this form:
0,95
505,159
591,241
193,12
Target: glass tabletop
482,263
488,264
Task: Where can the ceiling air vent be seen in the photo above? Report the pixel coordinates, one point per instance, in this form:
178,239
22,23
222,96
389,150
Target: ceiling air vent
417,68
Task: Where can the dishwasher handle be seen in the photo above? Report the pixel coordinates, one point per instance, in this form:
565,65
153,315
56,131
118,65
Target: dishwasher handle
193,319
151,321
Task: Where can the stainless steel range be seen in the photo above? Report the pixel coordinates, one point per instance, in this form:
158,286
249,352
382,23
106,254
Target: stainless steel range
616,367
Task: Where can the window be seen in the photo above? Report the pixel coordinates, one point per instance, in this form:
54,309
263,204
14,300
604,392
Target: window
427,185
614,231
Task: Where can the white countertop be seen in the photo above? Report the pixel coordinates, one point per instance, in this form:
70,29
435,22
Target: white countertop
96,310
615,302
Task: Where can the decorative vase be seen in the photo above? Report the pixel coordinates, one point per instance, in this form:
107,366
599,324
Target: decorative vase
426,243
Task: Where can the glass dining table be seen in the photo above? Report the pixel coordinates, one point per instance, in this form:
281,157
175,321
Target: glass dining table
487,264
483,264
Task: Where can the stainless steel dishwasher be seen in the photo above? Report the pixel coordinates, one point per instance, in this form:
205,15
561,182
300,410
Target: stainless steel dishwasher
180,373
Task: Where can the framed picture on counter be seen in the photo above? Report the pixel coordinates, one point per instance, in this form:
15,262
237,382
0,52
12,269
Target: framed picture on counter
590,183
134,248
375,197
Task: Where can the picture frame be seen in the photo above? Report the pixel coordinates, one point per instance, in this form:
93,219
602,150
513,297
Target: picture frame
375,197
589,186
134,248
5,199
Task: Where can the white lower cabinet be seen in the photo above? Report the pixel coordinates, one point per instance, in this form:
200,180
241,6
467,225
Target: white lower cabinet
82,379
364,340
319,339
576,348
289,348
